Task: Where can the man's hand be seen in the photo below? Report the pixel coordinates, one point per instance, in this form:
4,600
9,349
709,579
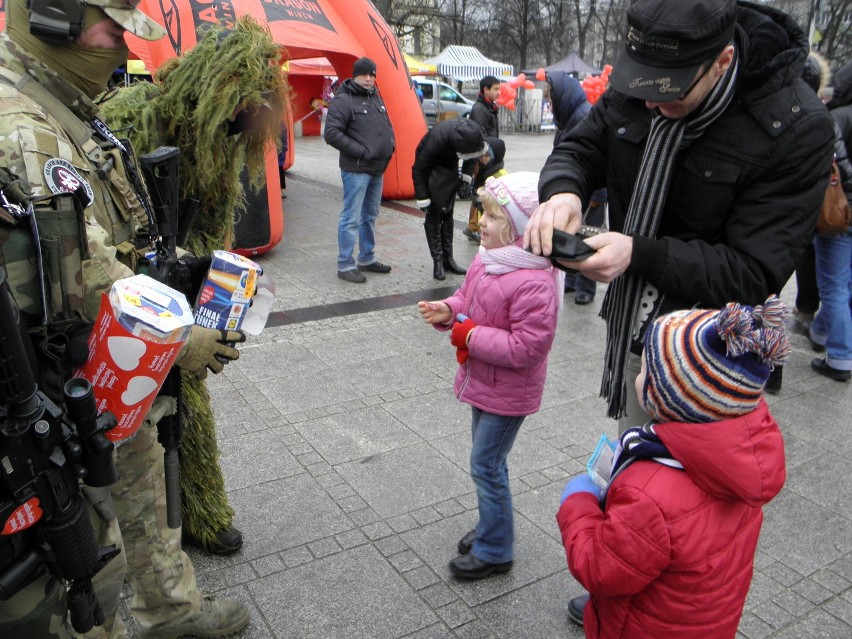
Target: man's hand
614,252
208,348
563,211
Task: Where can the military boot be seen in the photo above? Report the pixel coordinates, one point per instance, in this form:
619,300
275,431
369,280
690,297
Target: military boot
217,618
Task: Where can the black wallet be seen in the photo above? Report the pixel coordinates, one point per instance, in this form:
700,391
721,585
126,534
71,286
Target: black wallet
568,247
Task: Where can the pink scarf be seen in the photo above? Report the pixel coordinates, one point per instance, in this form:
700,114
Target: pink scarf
512,258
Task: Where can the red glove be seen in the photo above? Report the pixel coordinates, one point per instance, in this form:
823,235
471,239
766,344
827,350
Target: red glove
458,338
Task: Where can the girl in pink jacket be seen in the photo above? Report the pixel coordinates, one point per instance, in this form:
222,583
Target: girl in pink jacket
505,322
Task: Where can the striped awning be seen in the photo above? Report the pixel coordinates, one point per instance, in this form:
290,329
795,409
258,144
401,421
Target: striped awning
468,64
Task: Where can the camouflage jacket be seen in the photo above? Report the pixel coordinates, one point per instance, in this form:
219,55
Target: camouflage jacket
41,142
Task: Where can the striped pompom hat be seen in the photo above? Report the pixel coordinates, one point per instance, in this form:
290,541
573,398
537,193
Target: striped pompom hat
706,365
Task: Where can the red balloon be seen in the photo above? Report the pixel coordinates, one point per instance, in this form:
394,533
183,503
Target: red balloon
514,83
522,77
511,105
540,74
529,84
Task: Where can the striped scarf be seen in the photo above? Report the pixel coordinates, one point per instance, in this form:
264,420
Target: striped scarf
621,304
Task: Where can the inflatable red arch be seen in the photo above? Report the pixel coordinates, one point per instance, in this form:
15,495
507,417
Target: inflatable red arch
307,29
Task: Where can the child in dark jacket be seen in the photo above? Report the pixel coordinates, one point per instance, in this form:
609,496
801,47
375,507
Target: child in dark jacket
505,316
667,548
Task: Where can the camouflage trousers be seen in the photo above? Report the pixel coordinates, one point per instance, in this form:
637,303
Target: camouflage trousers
162,575
39,610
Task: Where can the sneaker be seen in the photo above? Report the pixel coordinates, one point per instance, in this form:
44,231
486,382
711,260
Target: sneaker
576,607
375,267
581,298
466,542
224,542
355,276
217,618
473,236
837,374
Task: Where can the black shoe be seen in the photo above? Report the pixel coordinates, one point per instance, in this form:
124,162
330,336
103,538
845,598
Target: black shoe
473,236
816,347
438,270
821,366
355,276
470,567
582,298
466,542
773,384
226,542
576,607
375,267
451,266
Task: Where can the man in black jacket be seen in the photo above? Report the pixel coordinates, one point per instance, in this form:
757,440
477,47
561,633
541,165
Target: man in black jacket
716,156
357,125
484,113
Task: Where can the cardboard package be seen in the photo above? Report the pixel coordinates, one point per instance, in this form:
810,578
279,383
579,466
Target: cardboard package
141,327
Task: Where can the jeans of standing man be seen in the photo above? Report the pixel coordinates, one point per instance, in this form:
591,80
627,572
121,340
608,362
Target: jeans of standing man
832,326
362,196
493,437
576,281
634,414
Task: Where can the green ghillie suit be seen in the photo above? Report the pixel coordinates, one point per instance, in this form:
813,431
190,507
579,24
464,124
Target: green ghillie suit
189,106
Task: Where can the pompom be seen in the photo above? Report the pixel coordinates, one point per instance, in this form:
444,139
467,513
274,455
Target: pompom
773,313
734,324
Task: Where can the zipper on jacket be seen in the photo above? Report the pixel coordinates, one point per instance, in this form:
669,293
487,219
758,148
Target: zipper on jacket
466,366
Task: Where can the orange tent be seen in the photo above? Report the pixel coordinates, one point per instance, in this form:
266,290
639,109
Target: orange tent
308,29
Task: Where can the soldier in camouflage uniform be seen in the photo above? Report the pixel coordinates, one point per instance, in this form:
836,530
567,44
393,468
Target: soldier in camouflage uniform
49,135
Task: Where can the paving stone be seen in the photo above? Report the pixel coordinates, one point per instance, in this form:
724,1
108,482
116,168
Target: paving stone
351,539
391,545
421,577
267,565
324,547
455,614
356,434
285,513
815,625
537,610
753,627
250,460
432,415
296,556
402,480
811,591
336,597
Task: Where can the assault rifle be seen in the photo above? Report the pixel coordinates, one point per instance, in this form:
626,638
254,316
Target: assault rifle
44,452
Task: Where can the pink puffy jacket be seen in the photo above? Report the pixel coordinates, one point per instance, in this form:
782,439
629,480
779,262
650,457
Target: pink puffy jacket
515,314
672,553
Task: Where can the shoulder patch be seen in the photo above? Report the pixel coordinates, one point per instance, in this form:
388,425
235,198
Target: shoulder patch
60,176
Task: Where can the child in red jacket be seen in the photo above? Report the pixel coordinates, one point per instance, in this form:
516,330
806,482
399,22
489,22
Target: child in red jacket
506,311
666,549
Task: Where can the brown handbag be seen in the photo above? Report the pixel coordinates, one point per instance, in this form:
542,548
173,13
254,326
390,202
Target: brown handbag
834,214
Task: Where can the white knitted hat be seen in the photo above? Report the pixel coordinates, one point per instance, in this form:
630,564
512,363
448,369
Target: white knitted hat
517,193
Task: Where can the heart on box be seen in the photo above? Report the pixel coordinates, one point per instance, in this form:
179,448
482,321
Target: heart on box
126,351
138,389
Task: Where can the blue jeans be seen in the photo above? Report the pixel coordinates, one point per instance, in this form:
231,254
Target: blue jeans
832,326
362,195
493,437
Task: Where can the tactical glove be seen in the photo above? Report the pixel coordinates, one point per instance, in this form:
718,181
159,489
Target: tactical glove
208,348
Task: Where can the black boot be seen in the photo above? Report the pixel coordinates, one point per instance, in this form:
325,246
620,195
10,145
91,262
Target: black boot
447,246
433,239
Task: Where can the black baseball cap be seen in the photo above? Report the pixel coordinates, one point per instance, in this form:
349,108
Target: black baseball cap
667,42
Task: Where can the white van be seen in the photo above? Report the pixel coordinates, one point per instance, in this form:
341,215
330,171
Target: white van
439,97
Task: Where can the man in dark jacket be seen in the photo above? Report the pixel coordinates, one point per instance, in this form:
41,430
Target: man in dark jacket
716,157
435,175
570,107
484,110
484,113
357,125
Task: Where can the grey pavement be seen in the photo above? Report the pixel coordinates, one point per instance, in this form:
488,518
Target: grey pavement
345,454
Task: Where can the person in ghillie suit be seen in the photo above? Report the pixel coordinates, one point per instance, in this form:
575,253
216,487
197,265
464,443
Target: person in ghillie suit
709,458
220,103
